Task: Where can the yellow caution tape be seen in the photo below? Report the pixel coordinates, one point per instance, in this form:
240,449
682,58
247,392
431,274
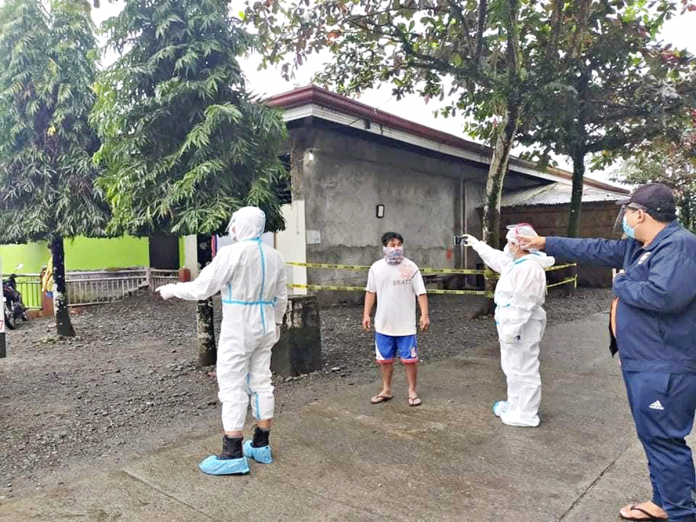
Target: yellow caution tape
363,267
330,265
573,280
454,271
362,289
466,271
487,273
329,287
560,267
460,292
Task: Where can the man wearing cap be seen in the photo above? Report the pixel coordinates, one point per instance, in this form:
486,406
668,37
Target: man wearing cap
655,325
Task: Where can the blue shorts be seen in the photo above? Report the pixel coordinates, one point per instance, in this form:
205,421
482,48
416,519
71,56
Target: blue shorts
386,347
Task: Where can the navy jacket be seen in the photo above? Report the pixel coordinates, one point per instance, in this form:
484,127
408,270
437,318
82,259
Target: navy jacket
656,316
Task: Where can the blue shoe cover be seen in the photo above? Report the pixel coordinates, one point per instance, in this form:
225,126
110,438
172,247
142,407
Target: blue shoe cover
500,407
261,455
214,466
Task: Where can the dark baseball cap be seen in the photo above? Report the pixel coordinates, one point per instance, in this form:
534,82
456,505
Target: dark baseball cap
653,197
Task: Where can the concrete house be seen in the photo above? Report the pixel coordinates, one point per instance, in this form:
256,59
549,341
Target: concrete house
358,172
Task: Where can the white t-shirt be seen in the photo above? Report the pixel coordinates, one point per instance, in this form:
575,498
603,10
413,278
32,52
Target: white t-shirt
396,287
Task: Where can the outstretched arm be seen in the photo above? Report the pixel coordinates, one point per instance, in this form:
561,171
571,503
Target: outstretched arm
494,258
209,282
603,252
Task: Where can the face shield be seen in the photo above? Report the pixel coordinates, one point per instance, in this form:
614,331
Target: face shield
618,224
520,229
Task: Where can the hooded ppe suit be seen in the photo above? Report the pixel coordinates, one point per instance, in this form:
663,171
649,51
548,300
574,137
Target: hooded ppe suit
520,320
251,279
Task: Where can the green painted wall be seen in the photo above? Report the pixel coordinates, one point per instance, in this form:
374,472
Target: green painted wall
33,255
80,254
93,254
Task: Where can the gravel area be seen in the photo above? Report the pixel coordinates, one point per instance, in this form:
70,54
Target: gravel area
128,385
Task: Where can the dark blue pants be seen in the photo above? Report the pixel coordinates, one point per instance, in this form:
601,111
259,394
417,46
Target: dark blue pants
663,406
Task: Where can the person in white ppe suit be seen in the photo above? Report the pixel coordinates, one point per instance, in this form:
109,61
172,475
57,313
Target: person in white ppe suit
251,279
520,320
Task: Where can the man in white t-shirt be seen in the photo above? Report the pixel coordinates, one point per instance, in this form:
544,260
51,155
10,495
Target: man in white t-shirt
396,282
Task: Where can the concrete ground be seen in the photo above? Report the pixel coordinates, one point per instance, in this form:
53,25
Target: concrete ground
342,459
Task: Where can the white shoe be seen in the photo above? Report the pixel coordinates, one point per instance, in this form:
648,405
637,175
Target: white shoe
512,418
500,407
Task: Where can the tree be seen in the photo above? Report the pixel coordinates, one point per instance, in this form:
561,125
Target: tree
468,52
472,53
607,84
672,163
47,64
184,144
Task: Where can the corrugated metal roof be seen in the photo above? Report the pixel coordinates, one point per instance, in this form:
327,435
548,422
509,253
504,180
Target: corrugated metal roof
556,194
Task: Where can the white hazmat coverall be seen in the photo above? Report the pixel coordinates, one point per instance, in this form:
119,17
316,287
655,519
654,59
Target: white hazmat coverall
520,320
251,279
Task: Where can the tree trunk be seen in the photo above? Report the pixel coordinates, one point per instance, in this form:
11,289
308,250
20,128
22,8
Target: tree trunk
60,294
496,178
205,324
575,208
503,145
576,197
494,192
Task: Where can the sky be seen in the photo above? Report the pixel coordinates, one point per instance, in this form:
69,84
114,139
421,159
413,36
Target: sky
678,31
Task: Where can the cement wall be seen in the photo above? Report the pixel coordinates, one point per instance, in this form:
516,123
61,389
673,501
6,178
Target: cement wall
340,176
345,177
292,243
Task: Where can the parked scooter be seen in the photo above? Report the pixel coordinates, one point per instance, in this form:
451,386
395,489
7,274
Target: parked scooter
12,300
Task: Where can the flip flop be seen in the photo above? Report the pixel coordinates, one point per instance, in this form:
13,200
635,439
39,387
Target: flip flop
414,401
650,516
378,399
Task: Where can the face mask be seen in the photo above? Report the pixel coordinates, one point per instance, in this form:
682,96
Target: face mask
507,251
393,255
630,232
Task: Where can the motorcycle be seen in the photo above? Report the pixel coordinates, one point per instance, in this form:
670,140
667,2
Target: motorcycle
12,299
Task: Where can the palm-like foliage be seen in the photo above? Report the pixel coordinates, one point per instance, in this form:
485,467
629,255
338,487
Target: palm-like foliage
47,65
183,143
